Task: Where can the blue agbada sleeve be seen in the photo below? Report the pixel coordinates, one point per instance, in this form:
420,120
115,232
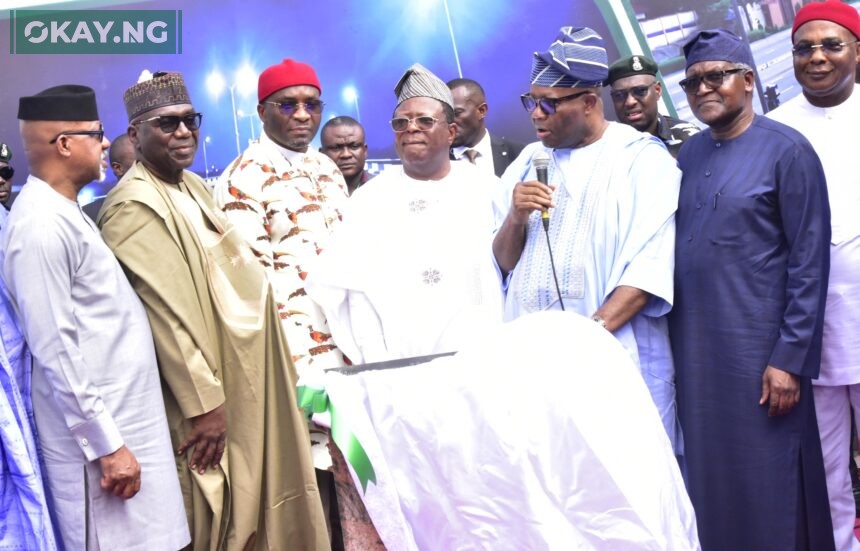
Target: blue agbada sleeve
805,212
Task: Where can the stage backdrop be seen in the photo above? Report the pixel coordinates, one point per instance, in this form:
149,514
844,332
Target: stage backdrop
360,49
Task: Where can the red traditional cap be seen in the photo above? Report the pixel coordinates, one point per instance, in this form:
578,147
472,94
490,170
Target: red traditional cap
832,10
284,74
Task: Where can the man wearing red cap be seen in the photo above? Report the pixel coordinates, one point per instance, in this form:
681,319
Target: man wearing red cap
285,198
826,54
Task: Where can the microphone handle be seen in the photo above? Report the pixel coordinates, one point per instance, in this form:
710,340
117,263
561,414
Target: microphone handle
543,178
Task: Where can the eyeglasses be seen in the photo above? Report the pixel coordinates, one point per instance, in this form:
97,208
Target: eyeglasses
712,80
547,105
424,123
6,172
98,134
352,146
638,92
289,108
170,123
831,46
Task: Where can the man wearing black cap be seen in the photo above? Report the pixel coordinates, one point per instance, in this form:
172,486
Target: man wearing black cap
6,174
229,385
96,394
636,93
610,215
751,268
409,272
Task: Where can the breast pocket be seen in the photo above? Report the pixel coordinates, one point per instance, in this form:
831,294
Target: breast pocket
733,220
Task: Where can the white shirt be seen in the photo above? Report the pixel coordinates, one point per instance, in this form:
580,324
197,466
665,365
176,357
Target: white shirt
410,270
95,379
832,132
484,160
613,225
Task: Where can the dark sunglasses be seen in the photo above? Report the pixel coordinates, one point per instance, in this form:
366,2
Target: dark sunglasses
289,108
400,124
547,105
170,123
6,172
712,80
98,134
831,46
638,92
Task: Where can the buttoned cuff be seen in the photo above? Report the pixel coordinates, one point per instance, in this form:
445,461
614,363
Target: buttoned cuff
98,436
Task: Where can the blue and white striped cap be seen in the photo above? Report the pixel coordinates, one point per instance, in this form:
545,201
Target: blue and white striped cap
577,58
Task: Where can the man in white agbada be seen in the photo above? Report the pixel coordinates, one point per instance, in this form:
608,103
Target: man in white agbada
410,270
826,54
96,392
509,445
612,196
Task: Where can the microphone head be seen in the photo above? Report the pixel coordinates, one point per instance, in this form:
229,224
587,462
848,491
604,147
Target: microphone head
540,159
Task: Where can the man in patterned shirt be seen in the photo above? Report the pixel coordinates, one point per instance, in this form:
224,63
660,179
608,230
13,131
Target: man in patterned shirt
284,198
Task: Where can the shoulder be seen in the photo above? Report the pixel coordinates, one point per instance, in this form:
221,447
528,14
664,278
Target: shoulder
328,172
249,168
701,139
630,144
681,129
39,211
379,184
790,111
624,135
42,234
778,134
135,193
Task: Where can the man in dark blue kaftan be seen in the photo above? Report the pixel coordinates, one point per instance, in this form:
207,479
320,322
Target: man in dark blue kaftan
753,231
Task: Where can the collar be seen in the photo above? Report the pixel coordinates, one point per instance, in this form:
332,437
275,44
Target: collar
484,147
290,155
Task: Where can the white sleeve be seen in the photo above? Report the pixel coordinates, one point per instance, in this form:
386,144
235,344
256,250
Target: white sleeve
39,268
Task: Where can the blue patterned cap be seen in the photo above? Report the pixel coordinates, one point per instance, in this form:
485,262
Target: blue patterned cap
576,58
717,45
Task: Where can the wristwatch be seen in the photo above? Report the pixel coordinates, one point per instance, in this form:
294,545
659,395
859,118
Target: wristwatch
597,319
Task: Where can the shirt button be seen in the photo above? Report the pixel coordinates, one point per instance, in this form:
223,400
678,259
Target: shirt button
690,238
718,144
85,442
707,173
698,205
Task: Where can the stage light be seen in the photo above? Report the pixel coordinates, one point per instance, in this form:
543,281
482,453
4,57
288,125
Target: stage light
246,80
215,83
350,95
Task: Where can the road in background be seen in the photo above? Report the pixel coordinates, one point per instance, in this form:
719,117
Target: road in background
774,65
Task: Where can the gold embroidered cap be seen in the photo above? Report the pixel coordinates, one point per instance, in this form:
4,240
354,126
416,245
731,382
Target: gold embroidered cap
157,90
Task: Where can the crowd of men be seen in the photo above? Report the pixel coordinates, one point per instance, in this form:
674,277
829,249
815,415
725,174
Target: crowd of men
151,353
